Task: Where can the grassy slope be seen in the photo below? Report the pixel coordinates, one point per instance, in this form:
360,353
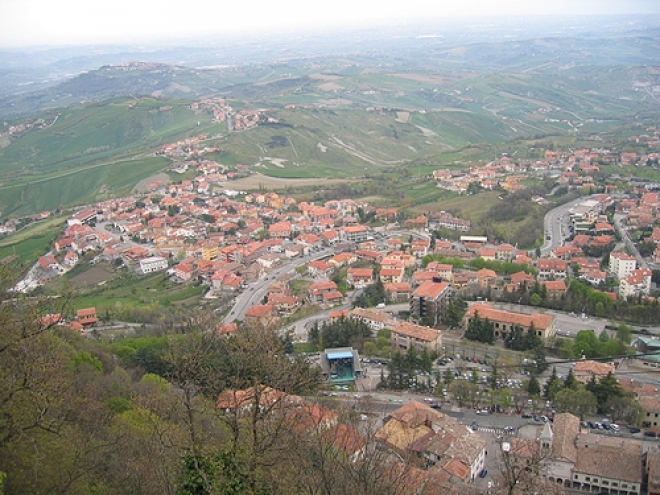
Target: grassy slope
130,291
91,153
33,241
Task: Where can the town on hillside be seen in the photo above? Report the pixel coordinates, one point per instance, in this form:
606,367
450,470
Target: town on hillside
428,296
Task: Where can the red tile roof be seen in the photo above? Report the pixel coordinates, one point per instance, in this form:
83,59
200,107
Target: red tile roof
430,289
541,322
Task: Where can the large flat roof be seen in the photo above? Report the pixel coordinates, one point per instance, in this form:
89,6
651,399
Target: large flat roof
340,355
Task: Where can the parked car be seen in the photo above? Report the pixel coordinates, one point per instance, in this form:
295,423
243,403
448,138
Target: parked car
527,416
634,429
483,473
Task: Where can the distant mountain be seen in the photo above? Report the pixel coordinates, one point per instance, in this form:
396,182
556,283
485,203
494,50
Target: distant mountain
32,80
131,79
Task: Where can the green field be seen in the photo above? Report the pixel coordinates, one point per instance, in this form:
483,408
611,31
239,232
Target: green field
28,244
90,153
125,292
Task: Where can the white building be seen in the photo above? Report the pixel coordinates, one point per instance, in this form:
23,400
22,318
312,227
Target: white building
638,283
153,264
622,264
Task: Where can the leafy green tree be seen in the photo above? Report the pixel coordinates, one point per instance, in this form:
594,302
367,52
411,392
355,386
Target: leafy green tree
570,381
607,388
480,330
540,364
505,398
577,401
624,333
494,377
552,386
586,344
624,408
533,387
532,340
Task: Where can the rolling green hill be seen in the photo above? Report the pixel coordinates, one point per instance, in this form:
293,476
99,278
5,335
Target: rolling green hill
85,153
338,115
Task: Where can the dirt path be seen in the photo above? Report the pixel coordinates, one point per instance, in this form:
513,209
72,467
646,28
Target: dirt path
257,181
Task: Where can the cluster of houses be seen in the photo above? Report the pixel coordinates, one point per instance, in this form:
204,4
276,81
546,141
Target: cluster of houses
574,168
237,120
434,453
228,243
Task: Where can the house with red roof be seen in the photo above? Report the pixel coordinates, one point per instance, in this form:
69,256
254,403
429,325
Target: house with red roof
280,229
226,329
487,278
320,269
332,299
347,440
506,321
316,291
359,277
286,304
261,315
552,269
585,369
555,288
267,399
397,292
406,335
357,233
487,253
637,283
391,274
185,271
505,252
87,317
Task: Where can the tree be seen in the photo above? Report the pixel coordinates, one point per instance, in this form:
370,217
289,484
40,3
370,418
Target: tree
463,391
533,386
552,386
607,388
480,330
570,381
540,364
624,408
34,363
577,401
624,333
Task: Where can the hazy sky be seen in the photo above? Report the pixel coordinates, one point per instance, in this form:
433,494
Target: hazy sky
54,22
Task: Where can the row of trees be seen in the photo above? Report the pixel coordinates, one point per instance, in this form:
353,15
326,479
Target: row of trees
588,345
342,332
500,267
403,370
604,396
581,298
